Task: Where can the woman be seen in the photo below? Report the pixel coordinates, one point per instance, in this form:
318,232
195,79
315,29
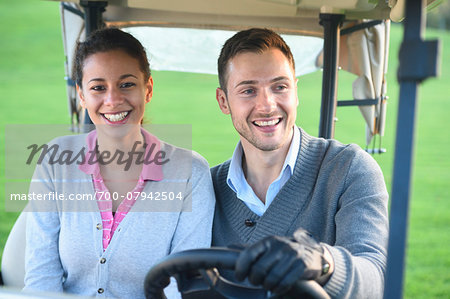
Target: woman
148,198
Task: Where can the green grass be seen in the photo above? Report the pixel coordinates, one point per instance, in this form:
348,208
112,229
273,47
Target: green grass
32,91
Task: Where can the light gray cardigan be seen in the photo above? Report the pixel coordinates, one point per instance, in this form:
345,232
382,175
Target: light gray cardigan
337,192
64,246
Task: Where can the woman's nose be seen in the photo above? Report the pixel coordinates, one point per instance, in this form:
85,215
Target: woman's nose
113,97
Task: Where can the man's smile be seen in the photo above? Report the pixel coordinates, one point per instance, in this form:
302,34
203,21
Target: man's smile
267,123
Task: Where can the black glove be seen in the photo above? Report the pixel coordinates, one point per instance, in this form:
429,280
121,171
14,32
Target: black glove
278,262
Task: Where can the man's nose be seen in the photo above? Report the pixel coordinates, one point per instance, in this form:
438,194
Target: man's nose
265,101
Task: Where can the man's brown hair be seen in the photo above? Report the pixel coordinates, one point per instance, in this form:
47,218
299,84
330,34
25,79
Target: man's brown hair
252,40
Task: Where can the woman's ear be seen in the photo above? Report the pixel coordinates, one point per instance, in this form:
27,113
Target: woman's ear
81,96
149,89
221,98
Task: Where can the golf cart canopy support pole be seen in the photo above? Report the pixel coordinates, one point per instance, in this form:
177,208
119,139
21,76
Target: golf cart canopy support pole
93,20
418,61
331,24
93,11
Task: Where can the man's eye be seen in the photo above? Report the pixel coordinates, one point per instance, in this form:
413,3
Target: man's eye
127,85
280,87
248,91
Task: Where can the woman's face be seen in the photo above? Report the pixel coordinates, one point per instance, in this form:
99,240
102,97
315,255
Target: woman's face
114,90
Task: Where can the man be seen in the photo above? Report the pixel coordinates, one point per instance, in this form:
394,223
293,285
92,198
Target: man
283,189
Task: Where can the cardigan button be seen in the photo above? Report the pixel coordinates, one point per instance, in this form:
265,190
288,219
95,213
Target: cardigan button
102,260
99,226
100,291
249,222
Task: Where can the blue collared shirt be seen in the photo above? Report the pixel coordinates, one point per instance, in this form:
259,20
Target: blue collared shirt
237,182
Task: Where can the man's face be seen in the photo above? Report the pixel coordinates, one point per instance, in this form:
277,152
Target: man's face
261,98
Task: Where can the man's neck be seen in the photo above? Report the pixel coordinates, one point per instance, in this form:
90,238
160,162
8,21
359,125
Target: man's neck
261,168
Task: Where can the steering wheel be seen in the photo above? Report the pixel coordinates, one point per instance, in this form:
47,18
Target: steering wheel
197,277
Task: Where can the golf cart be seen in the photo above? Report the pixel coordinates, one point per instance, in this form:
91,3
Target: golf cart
292,17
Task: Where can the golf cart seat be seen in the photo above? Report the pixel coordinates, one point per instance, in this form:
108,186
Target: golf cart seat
13,259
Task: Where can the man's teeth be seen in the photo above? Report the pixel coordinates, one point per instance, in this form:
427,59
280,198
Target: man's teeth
116,117
267,123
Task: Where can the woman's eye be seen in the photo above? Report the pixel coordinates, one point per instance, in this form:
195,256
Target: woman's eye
127,85
98,88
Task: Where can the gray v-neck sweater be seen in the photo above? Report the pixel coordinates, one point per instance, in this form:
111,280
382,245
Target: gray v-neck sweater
337,192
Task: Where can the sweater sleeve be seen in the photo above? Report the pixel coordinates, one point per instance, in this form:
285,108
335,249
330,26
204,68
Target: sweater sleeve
361,232
194,226
43,268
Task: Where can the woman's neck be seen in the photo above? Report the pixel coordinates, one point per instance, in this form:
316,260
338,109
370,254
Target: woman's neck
116,151
132,140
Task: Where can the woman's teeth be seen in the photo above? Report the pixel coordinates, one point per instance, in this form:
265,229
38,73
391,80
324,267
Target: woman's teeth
116,117
267,123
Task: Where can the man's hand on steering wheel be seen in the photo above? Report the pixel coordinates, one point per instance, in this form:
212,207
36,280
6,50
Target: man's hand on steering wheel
278,262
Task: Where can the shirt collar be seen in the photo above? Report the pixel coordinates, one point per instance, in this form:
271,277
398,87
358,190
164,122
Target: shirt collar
291,157
236,178
150,171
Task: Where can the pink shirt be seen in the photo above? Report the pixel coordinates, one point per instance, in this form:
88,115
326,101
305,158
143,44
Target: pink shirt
151,171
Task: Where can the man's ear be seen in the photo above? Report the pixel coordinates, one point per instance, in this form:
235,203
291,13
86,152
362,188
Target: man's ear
221,98
81,96
149,89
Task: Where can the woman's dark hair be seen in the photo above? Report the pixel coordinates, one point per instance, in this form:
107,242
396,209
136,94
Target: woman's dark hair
255,40
108,39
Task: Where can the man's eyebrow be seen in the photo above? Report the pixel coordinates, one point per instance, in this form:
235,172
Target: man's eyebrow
250,82
280,78
246,82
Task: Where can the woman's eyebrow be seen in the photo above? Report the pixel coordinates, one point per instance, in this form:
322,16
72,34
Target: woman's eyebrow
96,79
121,78
127,75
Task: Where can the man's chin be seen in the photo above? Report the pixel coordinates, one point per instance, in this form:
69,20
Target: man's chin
263,142
264,145
269,148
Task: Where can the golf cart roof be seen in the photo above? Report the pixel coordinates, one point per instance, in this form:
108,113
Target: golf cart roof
285,16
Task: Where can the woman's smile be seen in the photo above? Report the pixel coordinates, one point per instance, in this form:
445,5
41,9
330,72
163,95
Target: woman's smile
117,118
